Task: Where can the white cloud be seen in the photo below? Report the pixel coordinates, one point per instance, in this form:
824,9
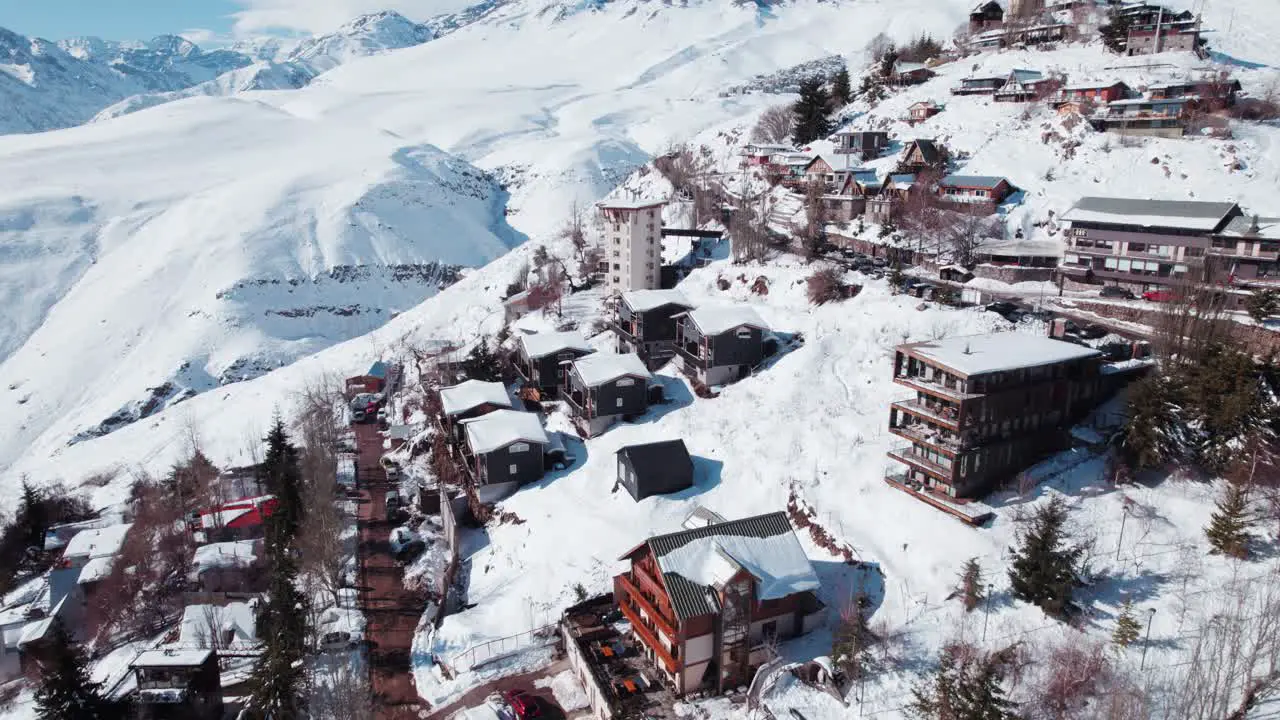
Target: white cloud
206,38
318,16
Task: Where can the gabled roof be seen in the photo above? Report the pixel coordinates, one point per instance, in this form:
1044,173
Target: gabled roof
630,204
171,657
500,428
928,150
988,182
233,554
982,6
926,103
549,343
902,182
814,160
471,394
657,459
861,132
1253,227
717,319
695,561
600,368
1186,214
1026,76
1095,85
378,369
99,542
646,300
901,66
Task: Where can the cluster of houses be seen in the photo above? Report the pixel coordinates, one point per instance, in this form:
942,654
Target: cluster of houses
1151,28
1163,110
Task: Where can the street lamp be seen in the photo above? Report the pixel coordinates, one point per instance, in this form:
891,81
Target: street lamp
986,612
1146,641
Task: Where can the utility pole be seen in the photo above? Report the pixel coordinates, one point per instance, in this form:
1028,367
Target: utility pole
986,612
1123,516
1147,641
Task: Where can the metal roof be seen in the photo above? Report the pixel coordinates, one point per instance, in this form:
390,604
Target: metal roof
690,599
657,460
978,181
1190,214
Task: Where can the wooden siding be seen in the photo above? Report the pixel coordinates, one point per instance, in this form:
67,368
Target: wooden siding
496,465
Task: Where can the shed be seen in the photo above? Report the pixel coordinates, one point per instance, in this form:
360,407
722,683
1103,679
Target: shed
655,468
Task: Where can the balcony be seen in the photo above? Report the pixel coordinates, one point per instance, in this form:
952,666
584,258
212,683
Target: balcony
576,401
917,382
632,331
630,591
908,455
923,434
938,413
629,600
692,355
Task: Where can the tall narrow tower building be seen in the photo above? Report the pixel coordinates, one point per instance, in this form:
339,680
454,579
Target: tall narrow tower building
632,244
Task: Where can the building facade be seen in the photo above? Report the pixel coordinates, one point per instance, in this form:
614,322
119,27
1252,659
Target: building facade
646,324
986,407
601,389
633,244
717,345
705,604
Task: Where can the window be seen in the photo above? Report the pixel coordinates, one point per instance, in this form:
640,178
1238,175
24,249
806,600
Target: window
618,403
518,447
617,254
625,382
616,280
769,631
743,333
622,469
513,468
616,266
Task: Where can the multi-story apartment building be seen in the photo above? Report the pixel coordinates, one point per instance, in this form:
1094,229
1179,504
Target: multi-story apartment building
986,407
632,244
1155,243
1155,28
706,604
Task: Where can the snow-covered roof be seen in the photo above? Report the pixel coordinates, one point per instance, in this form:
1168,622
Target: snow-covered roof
200,622
98,542
1149,101
1186,214
234,554
171,657
902,182
1026,76
601,368
972,355
765,546
716,319
97,569
902,66
646,300
471,394
1094,85
629,204
1268,228
224,517
975,181
500,428
549,343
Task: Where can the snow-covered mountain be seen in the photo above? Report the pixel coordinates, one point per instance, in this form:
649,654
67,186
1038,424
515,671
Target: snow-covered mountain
44,86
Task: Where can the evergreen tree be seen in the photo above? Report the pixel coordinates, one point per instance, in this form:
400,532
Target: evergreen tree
934,699
65,691
871,89
852,640
33,515
966,686
970,590
812,112
1228,530
1155,433
1115,33
1044,568
982,697
1262,304
281,473
1227,402
1127,627
482,363
277,684
841,89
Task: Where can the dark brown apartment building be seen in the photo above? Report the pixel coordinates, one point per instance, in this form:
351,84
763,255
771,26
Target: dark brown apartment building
986,407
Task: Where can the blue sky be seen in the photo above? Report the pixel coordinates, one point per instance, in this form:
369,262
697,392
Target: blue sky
115,19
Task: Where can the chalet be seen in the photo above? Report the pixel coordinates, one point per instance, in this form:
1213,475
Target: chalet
1100,93
986,406
986,16
923,110
243,519
992,39
980,85
1155,29
1021,86
178,684
234,566
706,604
974,190
1213,93
602,389
374,380
232,626
540,358
884,206
470,399
819,170
908,73
760,153
922,155
96,545
850,198
865,144
792,164
1159,118
656,468
646,324
720,344
61,600
504,450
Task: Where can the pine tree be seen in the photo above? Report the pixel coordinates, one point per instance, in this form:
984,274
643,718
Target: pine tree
33,515
1115,33
1262,304
812,112
65,691
277,684
981,696
1156,432
482,363
966,686
841,89
934,699
970,589
282,475
852,640
872,90
1127,627
1044,568
1228,530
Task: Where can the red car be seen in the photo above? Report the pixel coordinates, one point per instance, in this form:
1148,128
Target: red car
1158,295
522,704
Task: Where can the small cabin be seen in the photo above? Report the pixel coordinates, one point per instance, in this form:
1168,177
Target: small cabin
923,110
646,324
920,155
504,450
986,16
720,344
602,389
908,73
178,684
865,144
974,190
372,381
470,399
540,358
656,468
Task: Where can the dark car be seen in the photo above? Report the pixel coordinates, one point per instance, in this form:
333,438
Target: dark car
1002,307
1093,331
1116,291
522,704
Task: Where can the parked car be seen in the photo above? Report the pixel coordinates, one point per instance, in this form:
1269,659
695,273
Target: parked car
1116,291
357,415
523,704
879,262
1159,296
337,641
1093,331
1002,307
393,504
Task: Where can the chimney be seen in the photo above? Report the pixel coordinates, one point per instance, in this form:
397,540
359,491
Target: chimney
1253,225
967,351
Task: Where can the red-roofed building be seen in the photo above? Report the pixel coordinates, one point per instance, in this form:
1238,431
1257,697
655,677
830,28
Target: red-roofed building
242,519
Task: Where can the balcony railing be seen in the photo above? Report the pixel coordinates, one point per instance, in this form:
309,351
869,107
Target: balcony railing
919,432
941,414
909,456
630,590
627,603
919,383
576,401
692,357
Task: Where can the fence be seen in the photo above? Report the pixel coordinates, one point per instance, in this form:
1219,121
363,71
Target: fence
487,652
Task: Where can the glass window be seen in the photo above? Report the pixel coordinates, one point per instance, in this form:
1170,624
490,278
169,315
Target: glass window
518,447
511,469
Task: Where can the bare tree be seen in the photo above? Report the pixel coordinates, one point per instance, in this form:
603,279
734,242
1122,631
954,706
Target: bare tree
966,233
815,213
317,430
341,690
774,126
879,47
